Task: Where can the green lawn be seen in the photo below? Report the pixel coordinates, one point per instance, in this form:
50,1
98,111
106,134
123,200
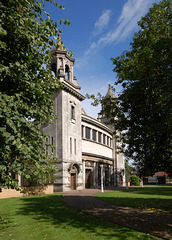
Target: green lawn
155,198
45,217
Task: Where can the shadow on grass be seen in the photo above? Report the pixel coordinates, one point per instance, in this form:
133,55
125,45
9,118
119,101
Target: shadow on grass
49,209
158,198
156,204
157,190
143,221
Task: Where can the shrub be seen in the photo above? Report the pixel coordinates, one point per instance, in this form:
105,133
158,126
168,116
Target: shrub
135,181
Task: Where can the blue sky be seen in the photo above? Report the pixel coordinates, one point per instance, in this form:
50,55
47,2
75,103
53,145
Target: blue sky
99,30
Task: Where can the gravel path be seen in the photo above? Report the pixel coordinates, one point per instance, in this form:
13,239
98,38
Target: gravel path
156,224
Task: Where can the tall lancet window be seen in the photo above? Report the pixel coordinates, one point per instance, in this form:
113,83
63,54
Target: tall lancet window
53,69
72,112
67,72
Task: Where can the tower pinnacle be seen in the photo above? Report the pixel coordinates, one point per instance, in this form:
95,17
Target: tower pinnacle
60,45
110,92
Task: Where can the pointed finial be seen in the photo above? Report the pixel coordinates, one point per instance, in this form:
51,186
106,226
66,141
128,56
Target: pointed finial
59,35
110,92
60,45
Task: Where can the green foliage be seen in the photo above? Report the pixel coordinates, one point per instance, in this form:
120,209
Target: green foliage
127,170
109,104
26,88
135,180
145,73
96,100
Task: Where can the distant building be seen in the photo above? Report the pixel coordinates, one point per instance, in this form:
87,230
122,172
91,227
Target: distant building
81,142
158,178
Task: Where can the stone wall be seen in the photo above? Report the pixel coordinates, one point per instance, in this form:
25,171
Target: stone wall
37,190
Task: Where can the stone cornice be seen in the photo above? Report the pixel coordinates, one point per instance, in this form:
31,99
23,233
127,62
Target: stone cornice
72,84
69,88
62,52
96,156
90,120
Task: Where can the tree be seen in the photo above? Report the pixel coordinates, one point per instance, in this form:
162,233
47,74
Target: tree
145,74
127,171
26,88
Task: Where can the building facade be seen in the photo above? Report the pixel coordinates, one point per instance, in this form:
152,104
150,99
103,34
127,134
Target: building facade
82,145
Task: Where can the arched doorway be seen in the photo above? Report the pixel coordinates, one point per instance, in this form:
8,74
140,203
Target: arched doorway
74,171
73,181
88,178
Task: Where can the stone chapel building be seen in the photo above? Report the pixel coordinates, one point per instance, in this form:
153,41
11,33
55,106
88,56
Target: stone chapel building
82,143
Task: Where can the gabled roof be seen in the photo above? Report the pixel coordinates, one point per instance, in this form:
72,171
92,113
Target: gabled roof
160,174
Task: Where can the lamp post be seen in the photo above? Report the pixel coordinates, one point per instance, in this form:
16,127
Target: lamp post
101,166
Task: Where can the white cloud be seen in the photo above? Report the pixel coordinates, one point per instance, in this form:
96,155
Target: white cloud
131,13
102,22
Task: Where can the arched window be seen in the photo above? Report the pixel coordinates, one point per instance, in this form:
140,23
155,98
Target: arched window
53,69
67,72
72,112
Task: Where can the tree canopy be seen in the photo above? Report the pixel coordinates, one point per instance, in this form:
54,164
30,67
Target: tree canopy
26,87
145,103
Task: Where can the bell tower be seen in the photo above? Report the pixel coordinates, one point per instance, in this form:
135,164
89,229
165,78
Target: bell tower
66,130
62,64
109,100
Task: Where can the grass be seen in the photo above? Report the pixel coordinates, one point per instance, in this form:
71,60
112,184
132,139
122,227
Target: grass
154,198
46,217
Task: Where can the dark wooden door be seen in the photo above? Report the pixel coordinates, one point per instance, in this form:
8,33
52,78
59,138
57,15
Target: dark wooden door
73,181
87,178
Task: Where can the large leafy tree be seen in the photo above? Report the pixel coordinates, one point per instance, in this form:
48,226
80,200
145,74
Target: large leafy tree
145,103
26,87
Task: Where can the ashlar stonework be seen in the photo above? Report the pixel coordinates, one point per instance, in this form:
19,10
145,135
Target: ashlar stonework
82,144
